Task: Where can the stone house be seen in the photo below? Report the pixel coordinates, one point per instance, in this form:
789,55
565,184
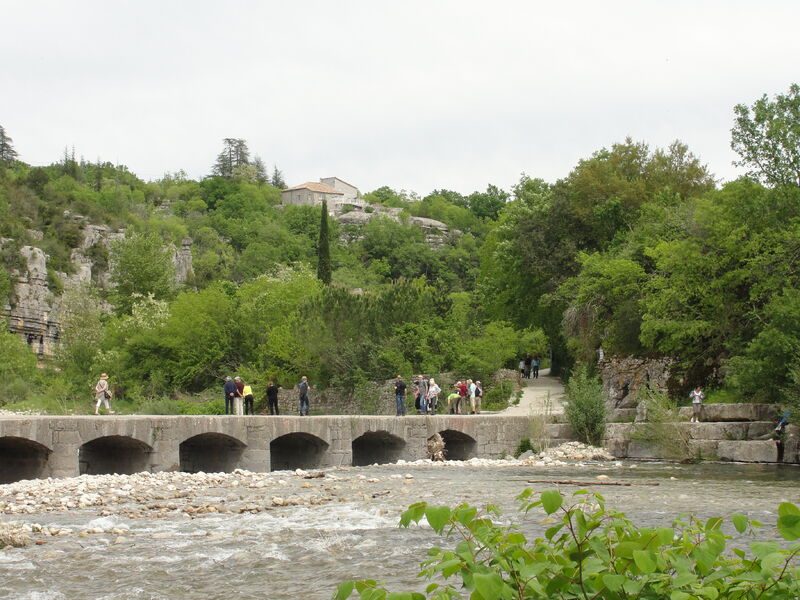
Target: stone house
350,191
310,194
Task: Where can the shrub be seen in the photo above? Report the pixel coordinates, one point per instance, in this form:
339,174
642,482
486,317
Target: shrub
523,447
662,427
586,406
17,368
496,396
591,552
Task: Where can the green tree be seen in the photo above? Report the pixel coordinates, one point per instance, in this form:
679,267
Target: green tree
324,247
277,178
766,136
487,205
140,266
7,153
260,170
17,367
234,154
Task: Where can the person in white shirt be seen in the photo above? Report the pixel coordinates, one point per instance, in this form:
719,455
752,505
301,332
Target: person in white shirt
472,387
433,395
697,397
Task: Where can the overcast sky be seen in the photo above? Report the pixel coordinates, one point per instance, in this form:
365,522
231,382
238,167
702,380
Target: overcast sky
417,95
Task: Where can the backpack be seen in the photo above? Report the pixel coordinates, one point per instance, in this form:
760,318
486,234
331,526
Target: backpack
478,392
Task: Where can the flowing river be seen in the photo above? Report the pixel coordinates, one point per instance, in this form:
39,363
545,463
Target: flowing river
290,535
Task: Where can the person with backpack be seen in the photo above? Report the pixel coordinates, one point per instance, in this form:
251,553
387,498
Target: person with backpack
102,394
476,398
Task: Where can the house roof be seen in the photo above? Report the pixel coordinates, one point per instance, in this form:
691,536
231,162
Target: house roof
313,186
340,179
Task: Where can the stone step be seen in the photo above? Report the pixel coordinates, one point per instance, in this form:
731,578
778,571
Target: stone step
734,412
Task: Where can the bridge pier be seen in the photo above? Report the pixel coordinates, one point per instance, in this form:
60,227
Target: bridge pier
43,446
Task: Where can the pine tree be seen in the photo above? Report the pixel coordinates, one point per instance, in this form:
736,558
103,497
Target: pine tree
70,165
261,170
277,178
234,154
7,153
98,176
324,248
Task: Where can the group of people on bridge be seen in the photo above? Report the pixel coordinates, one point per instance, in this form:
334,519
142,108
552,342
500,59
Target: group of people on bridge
426,396
239,397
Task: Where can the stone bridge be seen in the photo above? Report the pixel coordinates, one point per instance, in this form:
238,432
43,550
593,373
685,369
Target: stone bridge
55,446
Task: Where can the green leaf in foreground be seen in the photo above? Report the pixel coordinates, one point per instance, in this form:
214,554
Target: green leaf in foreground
551,501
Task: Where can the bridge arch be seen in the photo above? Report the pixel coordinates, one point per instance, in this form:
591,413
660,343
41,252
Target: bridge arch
22,458
377,447
458,445
110,454
298,450
211,453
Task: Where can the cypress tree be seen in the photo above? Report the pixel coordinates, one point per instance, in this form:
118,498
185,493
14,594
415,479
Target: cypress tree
324,248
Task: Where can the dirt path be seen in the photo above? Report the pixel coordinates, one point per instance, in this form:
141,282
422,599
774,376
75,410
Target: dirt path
537,394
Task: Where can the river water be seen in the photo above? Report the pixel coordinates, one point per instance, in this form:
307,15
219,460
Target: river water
304,551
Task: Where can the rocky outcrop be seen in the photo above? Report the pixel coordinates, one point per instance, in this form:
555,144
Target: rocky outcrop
33,310
182,259
435,231
625,376
30,312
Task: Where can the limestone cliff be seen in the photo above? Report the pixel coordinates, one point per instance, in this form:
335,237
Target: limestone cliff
33,309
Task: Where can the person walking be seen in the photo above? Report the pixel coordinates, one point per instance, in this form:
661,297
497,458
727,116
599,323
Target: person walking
400,396
229,389
422,386
102,394
528,364
237,399
272,398
247,391
535,366
303,388
697,397
433,395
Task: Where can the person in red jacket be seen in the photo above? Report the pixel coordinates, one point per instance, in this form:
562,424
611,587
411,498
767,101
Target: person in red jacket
463,392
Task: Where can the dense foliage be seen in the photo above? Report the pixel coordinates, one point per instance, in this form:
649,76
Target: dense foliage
636,251
590,551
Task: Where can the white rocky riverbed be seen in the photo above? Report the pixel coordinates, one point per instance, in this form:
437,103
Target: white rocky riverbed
296,534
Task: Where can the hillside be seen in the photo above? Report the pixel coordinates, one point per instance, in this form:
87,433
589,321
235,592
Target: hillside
170,285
